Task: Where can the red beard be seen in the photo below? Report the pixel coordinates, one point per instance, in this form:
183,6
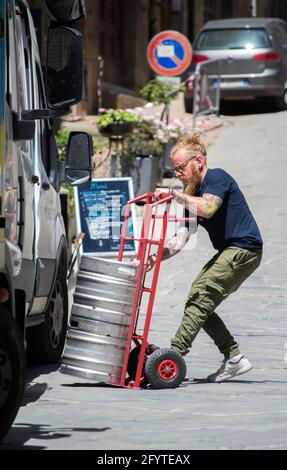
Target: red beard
192,183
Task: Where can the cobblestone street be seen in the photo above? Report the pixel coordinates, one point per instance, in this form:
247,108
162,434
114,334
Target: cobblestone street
61,412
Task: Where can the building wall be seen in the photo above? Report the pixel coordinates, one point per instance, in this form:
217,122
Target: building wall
118,31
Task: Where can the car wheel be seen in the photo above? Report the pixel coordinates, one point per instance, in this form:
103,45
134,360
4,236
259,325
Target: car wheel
280,103
45,342
12,370
165,368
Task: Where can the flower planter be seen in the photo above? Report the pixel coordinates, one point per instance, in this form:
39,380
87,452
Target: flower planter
143,169
117,130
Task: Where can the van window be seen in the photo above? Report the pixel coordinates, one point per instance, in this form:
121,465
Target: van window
239,38
2,70
23,76
44,127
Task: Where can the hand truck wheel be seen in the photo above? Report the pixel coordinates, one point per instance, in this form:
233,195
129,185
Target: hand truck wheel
133,362
165,368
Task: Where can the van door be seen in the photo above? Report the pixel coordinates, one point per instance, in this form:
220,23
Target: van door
49,225
2,130
19,153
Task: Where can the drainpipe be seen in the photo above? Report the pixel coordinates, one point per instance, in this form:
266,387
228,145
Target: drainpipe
253,7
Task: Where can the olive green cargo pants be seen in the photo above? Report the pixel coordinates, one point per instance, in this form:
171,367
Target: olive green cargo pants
221,276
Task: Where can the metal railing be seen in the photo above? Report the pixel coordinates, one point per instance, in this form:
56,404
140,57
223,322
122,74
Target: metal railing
206,88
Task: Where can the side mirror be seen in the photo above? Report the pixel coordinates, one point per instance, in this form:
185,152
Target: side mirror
65,11
64,71
79,158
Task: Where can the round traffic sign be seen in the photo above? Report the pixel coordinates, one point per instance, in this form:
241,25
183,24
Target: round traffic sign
169,53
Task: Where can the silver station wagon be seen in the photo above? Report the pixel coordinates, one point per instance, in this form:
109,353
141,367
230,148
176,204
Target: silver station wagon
254,57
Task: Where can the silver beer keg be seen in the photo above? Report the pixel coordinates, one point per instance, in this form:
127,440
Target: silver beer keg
99,321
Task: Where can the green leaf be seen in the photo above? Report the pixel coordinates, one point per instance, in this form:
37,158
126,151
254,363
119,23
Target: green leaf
160,91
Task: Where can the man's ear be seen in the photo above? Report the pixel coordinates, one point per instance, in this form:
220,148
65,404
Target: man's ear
200,162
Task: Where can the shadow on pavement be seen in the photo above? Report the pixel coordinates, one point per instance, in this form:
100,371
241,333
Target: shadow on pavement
35,371
88,384
33,391
196,381
186,382
21,433
239,108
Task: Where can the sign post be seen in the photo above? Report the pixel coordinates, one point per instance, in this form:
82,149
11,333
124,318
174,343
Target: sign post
169,53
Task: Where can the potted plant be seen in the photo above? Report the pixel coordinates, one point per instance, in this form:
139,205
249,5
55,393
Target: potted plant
160,91
143,155
117,123
143,145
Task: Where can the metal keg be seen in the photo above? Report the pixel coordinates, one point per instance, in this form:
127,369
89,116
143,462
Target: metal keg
99,321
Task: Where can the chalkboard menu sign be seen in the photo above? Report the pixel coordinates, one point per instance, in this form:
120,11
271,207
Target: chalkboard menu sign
100,207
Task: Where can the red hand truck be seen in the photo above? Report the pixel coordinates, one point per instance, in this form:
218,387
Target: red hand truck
146,363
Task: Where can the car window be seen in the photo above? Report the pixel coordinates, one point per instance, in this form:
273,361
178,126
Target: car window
232,39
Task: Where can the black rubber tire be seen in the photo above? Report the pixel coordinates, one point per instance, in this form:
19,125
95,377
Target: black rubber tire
133,363
165,368
12,370
45,342
280,103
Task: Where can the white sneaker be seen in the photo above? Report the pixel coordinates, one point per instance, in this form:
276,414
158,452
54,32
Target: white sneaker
237,365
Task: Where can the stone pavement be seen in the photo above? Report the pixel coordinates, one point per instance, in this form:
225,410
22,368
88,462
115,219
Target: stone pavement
249,412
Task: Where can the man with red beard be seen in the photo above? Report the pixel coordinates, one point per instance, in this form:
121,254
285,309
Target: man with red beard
222,210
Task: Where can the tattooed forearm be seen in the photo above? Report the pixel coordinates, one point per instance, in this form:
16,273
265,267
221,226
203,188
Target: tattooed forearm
212,204
184,199
204,206
175,244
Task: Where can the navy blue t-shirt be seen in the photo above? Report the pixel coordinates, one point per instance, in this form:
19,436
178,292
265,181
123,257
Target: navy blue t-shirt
233,223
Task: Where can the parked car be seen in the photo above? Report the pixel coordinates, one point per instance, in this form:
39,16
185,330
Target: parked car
253,53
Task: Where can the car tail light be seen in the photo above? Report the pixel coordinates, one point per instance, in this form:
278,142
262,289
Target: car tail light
199,58
264,56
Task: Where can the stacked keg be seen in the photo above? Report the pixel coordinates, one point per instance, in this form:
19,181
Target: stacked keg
99,321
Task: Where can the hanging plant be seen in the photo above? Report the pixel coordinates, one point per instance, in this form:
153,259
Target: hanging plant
117,122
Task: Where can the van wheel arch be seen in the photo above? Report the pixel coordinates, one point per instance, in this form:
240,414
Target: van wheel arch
45,342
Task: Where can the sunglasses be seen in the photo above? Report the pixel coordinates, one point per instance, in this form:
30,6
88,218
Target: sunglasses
180,168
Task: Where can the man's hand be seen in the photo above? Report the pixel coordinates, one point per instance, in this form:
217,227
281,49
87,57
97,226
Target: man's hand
159,192
150,262
135,262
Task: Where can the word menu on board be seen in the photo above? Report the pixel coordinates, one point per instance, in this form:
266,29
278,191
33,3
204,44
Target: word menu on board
100,207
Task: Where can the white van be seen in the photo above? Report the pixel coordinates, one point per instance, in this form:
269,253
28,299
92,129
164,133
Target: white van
33,244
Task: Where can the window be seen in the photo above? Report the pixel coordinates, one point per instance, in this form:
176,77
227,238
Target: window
209,10
232,39
43,124
22,74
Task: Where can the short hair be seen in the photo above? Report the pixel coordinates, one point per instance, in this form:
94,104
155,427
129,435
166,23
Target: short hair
190,144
